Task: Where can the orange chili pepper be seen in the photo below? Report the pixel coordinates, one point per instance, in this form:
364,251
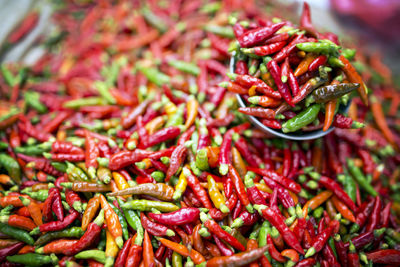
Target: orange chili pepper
155,124
353,76
263,187
90,211
212,154
343,209
34,210
291,254
330,208
148,254
252,90
57,246
113,224
252,244
192,107
303,65
196,257
238,162
380,121
61,135
330,108
5,179
12,200
316,201
18,221
120,181
27,249
317,157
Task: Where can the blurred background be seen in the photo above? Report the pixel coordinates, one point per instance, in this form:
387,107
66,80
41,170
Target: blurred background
372,24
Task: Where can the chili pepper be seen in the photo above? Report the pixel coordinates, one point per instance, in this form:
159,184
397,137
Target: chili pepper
56,246
222,247
113,223
360,178
72,232
122,220
257,36
241,258
343,209
159,190
34,210
86,187
302,119
279,224
319,61
160,136
240,188
365,238
215,195
147,205
89,237
258,112
90,211
176,160
374,219
352,256
33,259
273,251
285,182
321,239
305,64
182,250
198,190
155,228
123,254
309,86
265,49
384,256
316,201
12,167
16,233
354,77
18,221
248,81
10,250
56,225
73,200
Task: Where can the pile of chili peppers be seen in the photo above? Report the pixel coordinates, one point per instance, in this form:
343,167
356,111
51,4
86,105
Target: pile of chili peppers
122,147
294,78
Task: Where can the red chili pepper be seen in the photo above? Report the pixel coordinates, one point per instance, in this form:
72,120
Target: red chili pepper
91,154
249,81
272,123
160,136
176,160
57,206
134,255
288,236
239,187
198,190
275,254
128,120
259,35
384,256
123,254
341,250
283,194
283,89
374,219
73,200
353,258
284,53
321,239
268,49
180,217
26,126
241,67
224,249
67,157
10,250
52,125
309,262
319,61
65,148
369,164
47,206
186,136
153,227
238,30
25,27
125,158
258,112
278,38
59,225
285,182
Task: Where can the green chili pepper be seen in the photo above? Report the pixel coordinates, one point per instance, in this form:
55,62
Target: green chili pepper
335,62
350,187
87,101
154,20
133,220
9,78
158,176
76,174
302,119
176,259
360,178
122,221
154,75
102,243
202,160
147,205
12,167
40,195
185,67
104,91
332,91
317,213
262,236
16,233
177,118
33,259
72,232
59,166
97,255
3,145
349,53
321,47
221,31
32,99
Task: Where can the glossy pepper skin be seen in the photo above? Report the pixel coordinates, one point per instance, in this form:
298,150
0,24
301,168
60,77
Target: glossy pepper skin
302,119
256,36
333,91
182,216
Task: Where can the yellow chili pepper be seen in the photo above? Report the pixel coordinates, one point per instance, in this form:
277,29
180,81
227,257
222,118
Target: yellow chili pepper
238,162
155,124
216,197
120,182
111,249
180,187
263,187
